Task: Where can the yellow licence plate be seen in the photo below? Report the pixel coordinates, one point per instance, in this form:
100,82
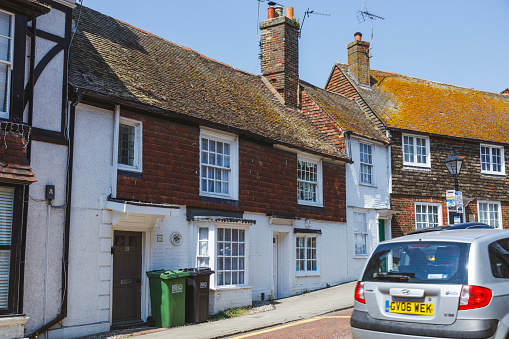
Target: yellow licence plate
408,307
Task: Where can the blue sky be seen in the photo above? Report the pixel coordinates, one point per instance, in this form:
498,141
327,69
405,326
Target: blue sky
463,43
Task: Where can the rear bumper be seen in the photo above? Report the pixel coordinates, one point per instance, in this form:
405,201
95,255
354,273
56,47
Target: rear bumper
469,329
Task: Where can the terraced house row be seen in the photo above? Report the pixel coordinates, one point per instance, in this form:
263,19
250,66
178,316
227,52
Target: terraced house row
121,152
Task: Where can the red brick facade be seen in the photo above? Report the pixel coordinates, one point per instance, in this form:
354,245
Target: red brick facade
267,176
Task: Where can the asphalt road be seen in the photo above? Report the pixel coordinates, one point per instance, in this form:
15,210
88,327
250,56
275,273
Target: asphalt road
330,326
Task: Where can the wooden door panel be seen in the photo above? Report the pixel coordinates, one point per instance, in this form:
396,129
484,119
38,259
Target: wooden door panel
127,261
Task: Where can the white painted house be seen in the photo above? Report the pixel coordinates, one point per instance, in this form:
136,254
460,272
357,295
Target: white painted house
181,161
34,39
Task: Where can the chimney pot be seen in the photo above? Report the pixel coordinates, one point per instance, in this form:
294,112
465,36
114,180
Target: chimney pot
289,12
358,36
272,13
279,11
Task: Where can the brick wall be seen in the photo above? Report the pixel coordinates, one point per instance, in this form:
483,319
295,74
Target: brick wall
279,45
429,185
434,182
267,176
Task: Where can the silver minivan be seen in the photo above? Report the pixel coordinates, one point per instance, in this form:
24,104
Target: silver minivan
442,284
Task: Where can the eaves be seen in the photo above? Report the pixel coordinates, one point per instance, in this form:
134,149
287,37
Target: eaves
108,102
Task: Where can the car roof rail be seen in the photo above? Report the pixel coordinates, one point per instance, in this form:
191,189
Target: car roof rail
462,226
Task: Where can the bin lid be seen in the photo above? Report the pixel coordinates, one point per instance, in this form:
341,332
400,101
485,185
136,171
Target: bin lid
162,274
197,271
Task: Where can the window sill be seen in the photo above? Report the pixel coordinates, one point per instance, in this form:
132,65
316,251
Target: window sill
129,173
368,185
219,199
363,256
493,175
231,288
310,207
417,168
307,274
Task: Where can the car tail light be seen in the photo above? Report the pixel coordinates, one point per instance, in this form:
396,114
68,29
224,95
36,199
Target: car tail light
474,297
359,292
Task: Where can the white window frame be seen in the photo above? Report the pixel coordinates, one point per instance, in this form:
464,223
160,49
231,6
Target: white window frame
245,256
9,67
413,162
138,147
233,181
307,236
369,164
319,183
428,205
499,212
490,163
205,254
361,228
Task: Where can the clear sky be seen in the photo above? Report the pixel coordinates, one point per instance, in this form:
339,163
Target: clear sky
463,43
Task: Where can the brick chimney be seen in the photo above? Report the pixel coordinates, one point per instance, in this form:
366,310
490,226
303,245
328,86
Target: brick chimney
358,59
280,53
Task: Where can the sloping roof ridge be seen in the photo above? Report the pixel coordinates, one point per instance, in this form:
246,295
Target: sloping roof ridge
325,90
175,44
345,130
361,97
440,83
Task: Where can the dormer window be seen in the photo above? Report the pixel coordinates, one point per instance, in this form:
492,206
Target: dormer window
6,50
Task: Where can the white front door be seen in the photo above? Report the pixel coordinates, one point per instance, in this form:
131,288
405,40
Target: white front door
275,242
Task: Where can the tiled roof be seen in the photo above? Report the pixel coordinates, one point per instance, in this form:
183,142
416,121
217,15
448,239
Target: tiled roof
30,8
14,166
113,58
425,106
345,112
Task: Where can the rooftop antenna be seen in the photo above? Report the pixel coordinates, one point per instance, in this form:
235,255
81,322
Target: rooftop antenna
306,14
362,15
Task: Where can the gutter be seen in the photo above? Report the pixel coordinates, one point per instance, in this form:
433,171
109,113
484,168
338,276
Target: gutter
445,136
67,227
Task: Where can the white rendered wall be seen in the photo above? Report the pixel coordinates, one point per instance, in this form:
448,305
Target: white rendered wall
368,196
49,164
47,112
368,199
89,271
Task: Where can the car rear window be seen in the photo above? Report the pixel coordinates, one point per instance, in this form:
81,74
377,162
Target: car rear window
419,262
499,258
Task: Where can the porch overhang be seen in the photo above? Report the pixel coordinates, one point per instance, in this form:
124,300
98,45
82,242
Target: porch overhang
386,213
125,211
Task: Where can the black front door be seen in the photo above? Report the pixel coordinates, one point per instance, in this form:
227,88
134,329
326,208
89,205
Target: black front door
126,278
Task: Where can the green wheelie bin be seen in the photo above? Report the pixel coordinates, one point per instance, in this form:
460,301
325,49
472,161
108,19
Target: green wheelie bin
168,297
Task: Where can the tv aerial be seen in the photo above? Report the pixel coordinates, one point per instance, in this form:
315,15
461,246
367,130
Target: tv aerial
362,15
306,14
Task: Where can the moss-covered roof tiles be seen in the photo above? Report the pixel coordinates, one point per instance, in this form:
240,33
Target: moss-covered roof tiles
424,106
113,58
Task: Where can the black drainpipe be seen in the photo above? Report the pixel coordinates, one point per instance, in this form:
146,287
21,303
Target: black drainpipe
67,227
26,190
